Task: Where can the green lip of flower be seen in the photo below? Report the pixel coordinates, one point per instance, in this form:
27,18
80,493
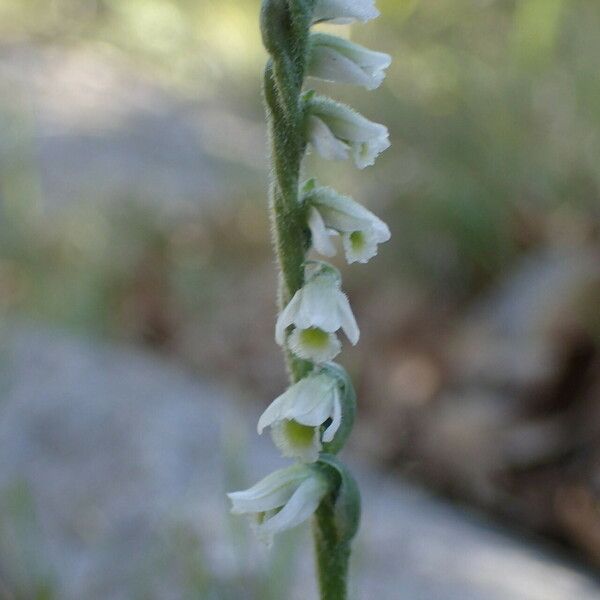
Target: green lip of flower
315,338
317,348
296,440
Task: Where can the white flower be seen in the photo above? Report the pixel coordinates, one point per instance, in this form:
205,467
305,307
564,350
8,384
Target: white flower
317,310
361,230
335,59
296,416
283,499
345,11
335,130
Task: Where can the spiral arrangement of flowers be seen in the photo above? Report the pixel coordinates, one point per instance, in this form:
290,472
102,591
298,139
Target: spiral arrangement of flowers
311,421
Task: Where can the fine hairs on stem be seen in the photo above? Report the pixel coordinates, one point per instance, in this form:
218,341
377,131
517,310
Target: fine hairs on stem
311,421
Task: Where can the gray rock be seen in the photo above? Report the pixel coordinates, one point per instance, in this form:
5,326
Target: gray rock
114,465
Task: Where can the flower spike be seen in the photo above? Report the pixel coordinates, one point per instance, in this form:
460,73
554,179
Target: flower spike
312,420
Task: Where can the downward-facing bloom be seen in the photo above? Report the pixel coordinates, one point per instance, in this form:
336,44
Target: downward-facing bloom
335,59
317,311
360,229
336,131
283,499
297,415
345,11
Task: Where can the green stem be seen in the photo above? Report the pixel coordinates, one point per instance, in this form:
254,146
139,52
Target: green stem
287,212
332,556
285,27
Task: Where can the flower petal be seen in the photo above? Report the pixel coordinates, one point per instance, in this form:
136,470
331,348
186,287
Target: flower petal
325,142
380,230
286,318
330,120
330,65
345,11
344,214
345,123
275,411
269,493
365,153
321,239
308,402
336,417
339,60
347,320
299,507
319,304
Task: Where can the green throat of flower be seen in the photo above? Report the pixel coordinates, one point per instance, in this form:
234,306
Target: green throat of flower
298,436
357,240
315,338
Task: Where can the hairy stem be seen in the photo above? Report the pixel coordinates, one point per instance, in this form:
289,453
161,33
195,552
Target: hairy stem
332,556
287,213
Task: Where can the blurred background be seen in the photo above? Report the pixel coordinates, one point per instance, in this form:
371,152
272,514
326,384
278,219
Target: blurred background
133,211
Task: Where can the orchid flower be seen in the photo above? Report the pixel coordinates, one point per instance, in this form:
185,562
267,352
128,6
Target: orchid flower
296,417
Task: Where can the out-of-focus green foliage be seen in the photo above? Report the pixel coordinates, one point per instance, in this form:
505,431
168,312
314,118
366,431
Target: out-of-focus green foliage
496,114
197,44
493,107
